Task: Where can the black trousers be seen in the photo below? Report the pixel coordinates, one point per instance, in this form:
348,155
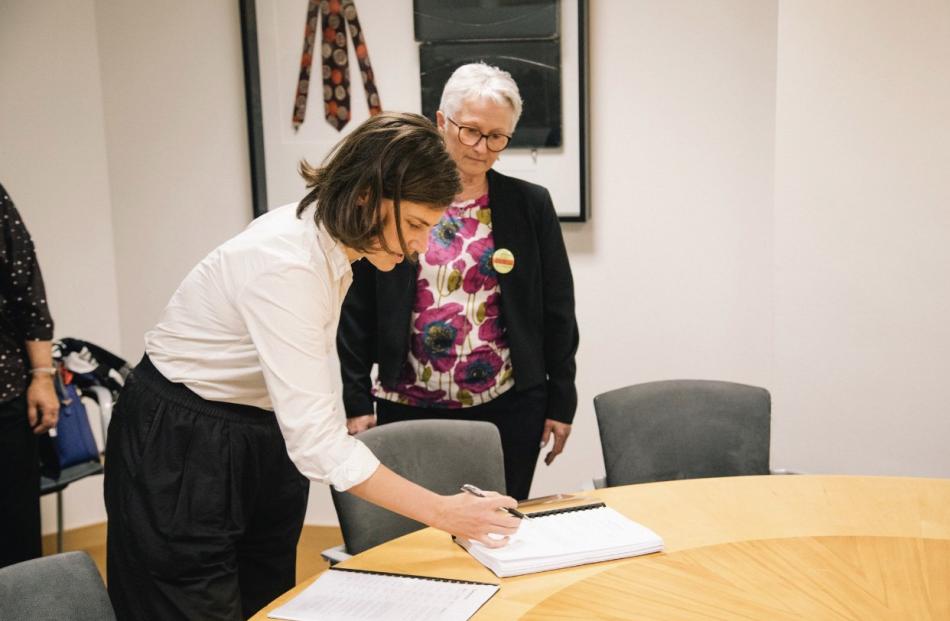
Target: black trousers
205,507
20,538
519,416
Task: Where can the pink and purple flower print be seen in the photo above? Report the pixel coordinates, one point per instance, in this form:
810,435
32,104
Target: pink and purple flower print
448,236
478,371
492,329
458,346
418,394
439,333
481,275
424,296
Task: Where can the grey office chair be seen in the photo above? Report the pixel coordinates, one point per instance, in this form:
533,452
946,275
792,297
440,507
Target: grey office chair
683,429
65,587
440,455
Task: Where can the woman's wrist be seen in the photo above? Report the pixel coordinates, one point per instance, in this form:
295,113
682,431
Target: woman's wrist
42,374
436,511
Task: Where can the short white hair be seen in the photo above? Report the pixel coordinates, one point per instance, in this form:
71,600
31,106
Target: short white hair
476,81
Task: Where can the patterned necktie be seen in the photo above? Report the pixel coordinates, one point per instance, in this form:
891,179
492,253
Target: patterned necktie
336,16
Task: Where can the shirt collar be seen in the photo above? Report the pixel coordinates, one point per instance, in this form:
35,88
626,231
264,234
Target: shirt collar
334,252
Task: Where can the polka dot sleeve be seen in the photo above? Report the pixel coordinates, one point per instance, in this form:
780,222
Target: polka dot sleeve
23,295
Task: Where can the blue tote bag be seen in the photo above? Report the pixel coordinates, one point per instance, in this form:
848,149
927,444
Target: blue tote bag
74,441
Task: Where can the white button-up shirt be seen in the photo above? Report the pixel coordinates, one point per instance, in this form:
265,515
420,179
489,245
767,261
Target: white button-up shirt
255,323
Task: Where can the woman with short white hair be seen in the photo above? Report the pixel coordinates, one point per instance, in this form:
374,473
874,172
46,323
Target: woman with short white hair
483,326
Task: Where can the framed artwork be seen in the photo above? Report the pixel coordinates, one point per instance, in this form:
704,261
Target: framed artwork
535,67
550,145
485,20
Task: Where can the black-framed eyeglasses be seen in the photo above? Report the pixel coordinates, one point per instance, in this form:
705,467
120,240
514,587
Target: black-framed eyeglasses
470,136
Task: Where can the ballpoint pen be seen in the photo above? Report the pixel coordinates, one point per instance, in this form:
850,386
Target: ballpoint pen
474,491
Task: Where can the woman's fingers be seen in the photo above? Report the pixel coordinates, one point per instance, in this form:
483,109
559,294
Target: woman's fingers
358,424
505,529
500,521
502,501
493,542
502,532
477,517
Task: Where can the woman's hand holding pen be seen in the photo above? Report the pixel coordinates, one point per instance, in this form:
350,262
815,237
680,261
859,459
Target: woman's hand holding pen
473,517
463,515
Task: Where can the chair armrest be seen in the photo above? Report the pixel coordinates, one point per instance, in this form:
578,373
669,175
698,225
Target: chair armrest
103,398
336,554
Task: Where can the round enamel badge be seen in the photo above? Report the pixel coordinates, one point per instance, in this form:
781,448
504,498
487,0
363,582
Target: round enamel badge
503,261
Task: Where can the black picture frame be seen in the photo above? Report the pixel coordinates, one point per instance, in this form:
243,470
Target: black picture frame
252,101
255,121
583,111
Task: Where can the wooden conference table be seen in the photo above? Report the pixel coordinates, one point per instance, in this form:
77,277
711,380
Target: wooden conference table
770,547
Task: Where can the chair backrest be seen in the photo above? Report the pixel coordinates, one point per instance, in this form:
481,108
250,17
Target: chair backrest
683,429
66,587
440,455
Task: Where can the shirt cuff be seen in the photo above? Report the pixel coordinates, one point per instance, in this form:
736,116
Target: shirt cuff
39,332
359,466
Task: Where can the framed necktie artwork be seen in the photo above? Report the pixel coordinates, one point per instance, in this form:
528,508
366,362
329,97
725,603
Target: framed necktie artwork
315,69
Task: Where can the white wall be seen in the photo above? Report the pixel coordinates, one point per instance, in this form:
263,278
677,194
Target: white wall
862,237
173,93
673,271
53,159
53,163
768,204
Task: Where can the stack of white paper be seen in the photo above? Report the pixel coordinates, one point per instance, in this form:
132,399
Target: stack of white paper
565,539
351,595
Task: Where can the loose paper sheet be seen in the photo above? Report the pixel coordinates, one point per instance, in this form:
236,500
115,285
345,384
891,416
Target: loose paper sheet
362,596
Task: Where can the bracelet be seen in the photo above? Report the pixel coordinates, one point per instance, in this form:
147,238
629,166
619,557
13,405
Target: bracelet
43,370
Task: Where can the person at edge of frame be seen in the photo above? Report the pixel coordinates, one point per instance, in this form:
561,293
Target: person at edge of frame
28,403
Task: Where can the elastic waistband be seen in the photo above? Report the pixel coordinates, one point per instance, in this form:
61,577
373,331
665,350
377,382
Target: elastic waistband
181,395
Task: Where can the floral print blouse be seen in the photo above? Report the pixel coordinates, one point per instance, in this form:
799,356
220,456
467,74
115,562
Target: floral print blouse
458,351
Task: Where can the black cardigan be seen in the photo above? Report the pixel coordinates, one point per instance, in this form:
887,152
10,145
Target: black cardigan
537,306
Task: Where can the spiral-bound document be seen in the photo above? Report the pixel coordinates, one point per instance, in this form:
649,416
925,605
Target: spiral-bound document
565,538
357,595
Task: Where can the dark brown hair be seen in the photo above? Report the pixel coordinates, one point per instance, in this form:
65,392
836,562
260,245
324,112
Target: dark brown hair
397,156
